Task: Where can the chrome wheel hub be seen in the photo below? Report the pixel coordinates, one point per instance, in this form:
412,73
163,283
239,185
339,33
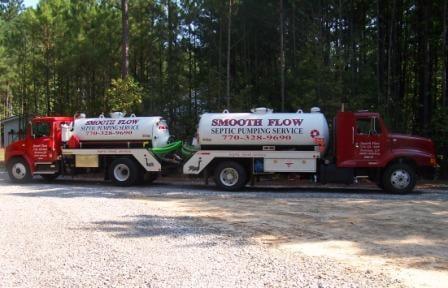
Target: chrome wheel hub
400,179
121,172
229,176
18,171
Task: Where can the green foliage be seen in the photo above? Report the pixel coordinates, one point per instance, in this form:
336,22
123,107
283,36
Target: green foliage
123,95
61,57
439,129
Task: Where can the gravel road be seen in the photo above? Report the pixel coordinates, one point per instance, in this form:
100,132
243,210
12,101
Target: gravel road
79,234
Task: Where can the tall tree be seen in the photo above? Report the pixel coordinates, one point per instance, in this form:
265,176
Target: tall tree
282,59
125,38
229,42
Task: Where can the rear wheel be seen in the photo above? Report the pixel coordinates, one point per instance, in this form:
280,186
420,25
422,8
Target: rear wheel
123,172
19,171
399,178
230,176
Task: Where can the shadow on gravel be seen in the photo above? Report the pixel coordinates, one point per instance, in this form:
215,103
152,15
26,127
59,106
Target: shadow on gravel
155,226
409,230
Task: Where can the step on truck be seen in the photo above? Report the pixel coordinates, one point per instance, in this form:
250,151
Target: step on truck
235,147
127,150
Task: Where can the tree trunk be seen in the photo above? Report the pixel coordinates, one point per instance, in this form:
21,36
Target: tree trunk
282,60
229,26
380,54
221,28
445,54
125,39
424,68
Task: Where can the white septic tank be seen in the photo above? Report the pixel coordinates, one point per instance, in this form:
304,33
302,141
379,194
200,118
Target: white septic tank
263,127
121,129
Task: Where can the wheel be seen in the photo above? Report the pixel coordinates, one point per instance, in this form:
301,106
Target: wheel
50,177
230,176
19,171
123,172
399,178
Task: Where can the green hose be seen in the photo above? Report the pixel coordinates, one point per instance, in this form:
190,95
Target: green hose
167,149
187,150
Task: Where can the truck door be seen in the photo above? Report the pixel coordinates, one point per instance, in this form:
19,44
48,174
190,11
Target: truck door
40,144
368,142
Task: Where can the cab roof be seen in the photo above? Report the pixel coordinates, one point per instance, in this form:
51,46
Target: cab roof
53,118
362,114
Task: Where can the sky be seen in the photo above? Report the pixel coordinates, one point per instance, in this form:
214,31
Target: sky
29,3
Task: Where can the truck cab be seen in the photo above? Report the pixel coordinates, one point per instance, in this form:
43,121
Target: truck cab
363,143
39,152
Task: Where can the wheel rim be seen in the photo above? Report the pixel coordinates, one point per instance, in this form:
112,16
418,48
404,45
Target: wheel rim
229,176
18,171
400,179
121,172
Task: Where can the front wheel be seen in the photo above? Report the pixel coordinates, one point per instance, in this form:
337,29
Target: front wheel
399,178
19,171
230,176
123,172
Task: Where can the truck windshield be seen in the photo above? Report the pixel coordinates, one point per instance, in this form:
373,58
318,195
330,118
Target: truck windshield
41,129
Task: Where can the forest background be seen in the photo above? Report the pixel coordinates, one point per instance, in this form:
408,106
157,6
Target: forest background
180,58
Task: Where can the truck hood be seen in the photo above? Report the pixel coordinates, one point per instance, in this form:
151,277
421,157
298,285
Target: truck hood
15,146
402,141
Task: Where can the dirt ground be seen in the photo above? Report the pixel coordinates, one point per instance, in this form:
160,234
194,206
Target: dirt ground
405,234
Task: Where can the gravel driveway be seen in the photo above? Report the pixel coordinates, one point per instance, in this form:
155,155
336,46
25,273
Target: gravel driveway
78,234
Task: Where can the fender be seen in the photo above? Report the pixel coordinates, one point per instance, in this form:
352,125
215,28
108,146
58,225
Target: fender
421,158
17,149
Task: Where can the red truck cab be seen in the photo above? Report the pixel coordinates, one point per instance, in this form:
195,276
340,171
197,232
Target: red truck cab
39,152
363,142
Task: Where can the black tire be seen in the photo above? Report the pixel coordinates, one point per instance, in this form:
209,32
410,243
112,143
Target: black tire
123,172
50,177
18,170
399,178
234,169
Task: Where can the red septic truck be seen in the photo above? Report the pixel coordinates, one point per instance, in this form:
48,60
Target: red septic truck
232,147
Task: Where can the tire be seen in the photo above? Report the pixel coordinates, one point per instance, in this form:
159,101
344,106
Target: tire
399,179
50,177
19,171
230,176
123,172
